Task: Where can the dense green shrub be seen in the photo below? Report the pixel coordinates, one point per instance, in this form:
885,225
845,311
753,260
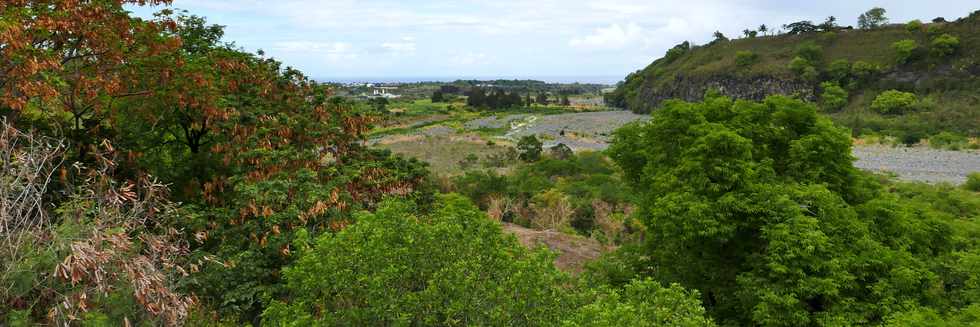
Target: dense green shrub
810,51
745,58
914,26
947,140
839,71
529,148
905,51
453,267
758,206
973,182
864,71
642,303
944,46
833,97
804,68
893,102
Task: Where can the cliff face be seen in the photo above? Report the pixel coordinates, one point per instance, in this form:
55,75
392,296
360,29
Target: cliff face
747,88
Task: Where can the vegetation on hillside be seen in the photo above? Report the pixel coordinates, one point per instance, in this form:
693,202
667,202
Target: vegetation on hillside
938,62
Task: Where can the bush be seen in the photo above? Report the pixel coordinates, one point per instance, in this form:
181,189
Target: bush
905,51
833,98
745,58
839,71
914,26
947,140
803,67
865,71
396,268
452,267
810,51
642,303
944,45
893,102
973,182
529,148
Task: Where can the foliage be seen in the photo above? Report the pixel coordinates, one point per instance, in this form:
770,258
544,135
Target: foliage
944,45
438,96
833,97
529,148
745,58
893,102
494,98
392,267
873,18
454,267
801,27
589,181
758,206
905,51
642,303
973,182
948,140
105,251
914,26
839,71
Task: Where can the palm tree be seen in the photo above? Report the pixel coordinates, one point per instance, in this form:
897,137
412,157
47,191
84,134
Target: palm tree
763,29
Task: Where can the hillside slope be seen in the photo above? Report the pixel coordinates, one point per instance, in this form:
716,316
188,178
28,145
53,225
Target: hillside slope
864,63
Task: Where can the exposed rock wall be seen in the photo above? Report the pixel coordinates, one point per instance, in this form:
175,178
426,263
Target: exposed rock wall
746,88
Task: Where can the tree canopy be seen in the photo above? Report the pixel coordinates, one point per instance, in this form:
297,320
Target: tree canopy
758,206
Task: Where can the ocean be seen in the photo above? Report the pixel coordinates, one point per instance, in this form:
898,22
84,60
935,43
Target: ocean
608,80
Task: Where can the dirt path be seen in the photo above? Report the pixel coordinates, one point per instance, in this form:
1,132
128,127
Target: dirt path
573,251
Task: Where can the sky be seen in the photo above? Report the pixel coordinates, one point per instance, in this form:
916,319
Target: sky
576,39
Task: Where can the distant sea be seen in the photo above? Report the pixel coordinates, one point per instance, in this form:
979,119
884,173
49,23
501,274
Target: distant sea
608,80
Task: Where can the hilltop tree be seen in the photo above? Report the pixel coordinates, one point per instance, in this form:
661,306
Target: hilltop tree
873,18
800,27
719,37
828,25
749,33
763,29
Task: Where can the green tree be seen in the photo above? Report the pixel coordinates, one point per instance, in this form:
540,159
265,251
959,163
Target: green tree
642,303
833,98
944,46
973,182
894,102
451,267
914,26
758,206
542,98
529,148
905,51
438,96
873,18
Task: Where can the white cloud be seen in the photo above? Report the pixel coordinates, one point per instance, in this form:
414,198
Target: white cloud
405,46
613,37
332,51
467,58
